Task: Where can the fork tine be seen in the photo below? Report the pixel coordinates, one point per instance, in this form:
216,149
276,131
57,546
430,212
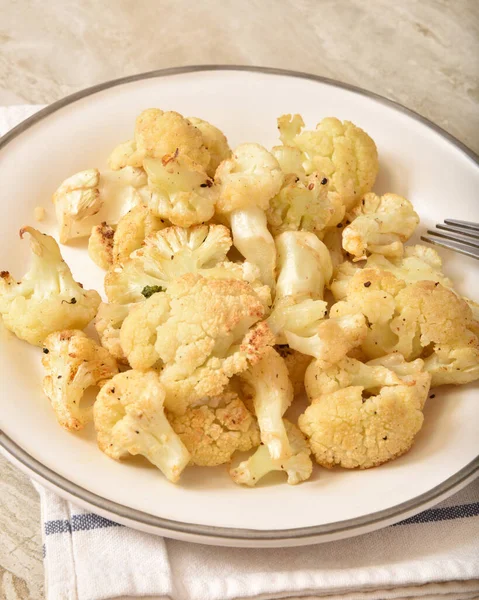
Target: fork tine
451,245
454,237
464,224
472,233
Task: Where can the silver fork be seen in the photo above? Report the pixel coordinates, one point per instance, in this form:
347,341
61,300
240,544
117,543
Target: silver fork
461,236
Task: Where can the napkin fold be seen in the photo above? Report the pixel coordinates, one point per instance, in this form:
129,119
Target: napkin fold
432,556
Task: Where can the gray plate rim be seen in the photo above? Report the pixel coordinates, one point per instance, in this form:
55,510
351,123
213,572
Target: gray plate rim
316,532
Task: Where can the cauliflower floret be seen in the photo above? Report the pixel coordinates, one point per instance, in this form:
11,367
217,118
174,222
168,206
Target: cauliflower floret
272,393
166,255
247,181
372,293
253,239
73,363
369,416
296,363
129,419
451,365
108,322
304,265
159,133
89,198
47,299
431,320
77,198
333,240
213,434
419,263
421,319
299,311
100,245
334,338
125,155
379,224
300,205
349,371
181,191
250,178
215,142
298,466
343,152
132,229
290,160
202,331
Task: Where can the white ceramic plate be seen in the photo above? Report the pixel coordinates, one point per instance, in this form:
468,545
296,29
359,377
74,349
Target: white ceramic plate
418,160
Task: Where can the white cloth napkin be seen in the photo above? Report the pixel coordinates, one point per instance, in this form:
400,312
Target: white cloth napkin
432,556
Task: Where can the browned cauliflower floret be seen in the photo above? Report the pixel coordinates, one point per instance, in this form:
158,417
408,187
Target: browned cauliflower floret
343,152
298,466
129,419
379,224
215,142
434,322
73,363
213,433
202,331
365,415
159,133
419,263
100,245
296,363
166,255
47,299
132,229
421,319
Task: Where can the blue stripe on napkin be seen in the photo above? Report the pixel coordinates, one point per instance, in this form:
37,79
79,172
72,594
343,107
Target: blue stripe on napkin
89,521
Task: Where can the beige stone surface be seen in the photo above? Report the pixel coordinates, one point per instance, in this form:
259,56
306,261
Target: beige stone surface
421,53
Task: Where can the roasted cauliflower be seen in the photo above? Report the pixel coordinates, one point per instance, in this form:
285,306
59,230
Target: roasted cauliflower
132,229
247,182
214,141
268,383
300,205
341,151
212,434
108,322
73,362
379,224
158,134
181,190
364,415
201,331
296,363
100,245
47,299
298,466
129,419
91,197
164,256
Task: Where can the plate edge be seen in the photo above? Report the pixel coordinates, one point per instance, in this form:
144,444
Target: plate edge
387,516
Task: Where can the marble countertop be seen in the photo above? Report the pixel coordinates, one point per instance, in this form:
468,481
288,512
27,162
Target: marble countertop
421,53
